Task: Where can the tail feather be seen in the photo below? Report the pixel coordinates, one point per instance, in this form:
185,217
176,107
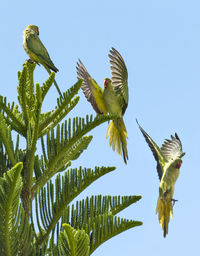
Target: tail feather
118,137
165,211
55,83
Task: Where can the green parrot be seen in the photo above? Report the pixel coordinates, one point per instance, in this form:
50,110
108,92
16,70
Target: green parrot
36,50
169,161
113,100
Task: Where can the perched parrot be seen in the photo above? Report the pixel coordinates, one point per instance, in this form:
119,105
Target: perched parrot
36,50
113,100
169,161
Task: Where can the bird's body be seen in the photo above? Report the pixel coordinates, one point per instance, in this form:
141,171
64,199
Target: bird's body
169,161
37,51
169,178
116,129
113,99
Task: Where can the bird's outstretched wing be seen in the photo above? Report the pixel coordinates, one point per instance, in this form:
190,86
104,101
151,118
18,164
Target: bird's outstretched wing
119,77
93,92
160,159
172,149
35,45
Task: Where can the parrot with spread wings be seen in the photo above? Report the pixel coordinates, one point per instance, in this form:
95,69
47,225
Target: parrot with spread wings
37,51
168,159
113,99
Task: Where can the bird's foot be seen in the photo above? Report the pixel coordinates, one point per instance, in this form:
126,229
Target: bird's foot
165,193
173,201
30,61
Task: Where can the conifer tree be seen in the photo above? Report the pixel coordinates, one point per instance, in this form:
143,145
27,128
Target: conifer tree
40,215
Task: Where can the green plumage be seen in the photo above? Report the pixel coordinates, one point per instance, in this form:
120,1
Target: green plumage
168,159
113,100
37,51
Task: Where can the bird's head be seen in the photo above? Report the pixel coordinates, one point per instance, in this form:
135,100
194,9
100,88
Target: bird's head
106,82
177,163
34,28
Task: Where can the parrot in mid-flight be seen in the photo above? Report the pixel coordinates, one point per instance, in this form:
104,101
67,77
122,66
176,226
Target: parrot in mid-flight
169,161
113,99
37,51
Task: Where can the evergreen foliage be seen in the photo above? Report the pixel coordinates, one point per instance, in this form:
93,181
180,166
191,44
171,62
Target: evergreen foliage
38,213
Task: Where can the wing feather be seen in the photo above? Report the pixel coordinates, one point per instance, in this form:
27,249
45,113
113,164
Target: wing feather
160,159
119,76
172,149
36,46
92,91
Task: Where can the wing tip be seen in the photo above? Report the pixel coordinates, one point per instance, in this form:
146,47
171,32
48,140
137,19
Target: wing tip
78,64
140,127
114,54
114,51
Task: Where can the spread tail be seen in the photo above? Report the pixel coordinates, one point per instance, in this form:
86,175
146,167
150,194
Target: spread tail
118,135
165,211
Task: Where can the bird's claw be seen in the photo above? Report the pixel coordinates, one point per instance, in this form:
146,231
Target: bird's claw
173,201
30,61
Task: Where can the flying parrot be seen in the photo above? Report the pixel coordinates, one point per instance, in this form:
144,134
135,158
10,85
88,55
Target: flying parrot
37,51
169,161
113,99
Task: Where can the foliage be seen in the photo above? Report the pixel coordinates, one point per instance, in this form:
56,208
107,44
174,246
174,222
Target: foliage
38,213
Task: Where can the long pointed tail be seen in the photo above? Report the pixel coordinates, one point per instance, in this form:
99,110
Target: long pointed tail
118,135
55,83
165,211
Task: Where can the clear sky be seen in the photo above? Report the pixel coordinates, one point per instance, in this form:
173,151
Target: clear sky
160,43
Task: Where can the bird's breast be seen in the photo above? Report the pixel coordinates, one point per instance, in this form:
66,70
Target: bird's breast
112,102
170,176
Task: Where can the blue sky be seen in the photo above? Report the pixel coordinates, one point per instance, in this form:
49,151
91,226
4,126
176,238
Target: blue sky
160,43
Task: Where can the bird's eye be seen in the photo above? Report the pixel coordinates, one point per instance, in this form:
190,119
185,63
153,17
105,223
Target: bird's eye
178,165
